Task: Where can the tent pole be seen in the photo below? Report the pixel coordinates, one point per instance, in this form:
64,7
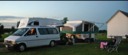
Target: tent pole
82,27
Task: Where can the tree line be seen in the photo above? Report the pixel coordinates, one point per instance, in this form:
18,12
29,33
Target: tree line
6,30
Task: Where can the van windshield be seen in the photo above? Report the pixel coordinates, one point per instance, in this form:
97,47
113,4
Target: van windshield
20,32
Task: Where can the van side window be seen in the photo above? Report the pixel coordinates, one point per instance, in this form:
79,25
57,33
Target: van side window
52,31
55,31
32,32
43,31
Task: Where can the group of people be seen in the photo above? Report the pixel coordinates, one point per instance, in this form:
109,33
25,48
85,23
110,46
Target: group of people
70,39
67,39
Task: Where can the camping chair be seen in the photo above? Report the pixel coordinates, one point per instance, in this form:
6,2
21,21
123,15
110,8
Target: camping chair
115,46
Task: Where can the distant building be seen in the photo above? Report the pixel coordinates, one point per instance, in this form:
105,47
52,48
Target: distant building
117,25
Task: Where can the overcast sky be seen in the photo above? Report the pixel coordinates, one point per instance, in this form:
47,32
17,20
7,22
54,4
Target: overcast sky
96,11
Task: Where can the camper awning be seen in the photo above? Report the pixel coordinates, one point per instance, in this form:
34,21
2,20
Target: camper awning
77,32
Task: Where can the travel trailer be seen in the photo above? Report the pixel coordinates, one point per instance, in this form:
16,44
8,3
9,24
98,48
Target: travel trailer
34,32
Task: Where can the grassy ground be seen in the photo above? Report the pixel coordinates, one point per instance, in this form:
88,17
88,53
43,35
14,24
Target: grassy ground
77,49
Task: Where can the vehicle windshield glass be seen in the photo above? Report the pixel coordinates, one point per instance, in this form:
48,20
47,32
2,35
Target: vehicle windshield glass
20,32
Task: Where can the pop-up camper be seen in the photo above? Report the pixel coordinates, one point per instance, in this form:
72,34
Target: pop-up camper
82,30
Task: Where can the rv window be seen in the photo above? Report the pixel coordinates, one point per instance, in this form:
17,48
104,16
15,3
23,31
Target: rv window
33,23
20,32
43,31
32,31
36,23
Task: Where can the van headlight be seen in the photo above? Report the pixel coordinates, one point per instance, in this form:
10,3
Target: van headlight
13,42
9,42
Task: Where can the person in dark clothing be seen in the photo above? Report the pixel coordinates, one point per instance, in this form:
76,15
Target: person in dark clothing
111,43
70,40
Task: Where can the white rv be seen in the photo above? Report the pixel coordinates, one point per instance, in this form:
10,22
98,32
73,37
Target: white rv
32,34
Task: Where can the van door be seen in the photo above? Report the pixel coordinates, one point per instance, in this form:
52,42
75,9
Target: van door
47,34
31,38
43,36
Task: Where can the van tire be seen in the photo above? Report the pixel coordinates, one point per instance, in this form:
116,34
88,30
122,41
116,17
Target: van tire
21,47
52,43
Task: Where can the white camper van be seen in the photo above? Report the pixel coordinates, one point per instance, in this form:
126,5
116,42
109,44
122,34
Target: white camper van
32,36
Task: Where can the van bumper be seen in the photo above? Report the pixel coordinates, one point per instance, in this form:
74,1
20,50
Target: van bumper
11,46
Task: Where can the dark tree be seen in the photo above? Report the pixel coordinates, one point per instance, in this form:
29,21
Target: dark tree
102,31
65,20
1,29
13,28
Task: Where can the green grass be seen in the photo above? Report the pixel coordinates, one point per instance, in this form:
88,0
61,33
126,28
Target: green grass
77,49
4,36
101,36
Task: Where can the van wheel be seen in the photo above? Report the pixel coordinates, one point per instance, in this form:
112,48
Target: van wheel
21,47
52,43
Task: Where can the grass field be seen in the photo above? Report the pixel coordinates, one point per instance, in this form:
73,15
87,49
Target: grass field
77,49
